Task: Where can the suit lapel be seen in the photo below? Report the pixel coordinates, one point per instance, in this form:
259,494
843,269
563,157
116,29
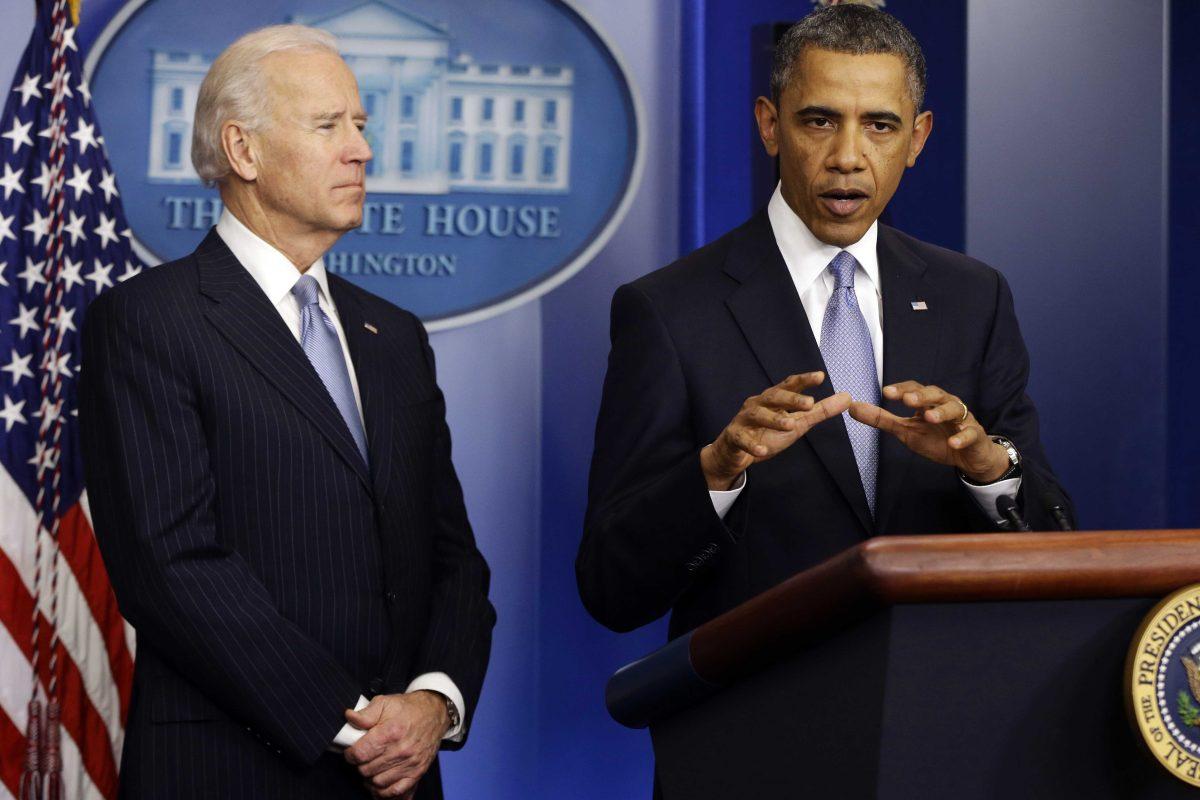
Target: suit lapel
910,343
243,315
370,369
772,319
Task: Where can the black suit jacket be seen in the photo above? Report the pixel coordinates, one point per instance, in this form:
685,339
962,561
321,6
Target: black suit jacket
693,340
272,575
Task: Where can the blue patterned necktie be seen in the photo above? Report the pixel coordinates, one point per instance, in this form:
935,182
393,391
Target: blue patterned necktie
850,359
320,341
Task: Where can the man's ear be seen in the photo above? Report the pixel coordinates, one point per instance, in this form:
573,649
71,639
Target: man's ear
922,127
240,150
767,117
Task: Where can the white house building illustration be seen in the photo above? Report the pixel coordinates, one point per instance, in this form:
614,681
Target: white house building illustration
437,123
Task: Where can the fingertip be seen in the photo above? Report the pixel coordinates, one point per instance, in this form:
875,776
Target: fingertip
890,391
955,442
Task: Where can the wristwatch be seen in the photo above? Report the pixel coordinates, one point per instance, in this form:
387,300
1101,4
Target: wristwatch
451,712
1014,463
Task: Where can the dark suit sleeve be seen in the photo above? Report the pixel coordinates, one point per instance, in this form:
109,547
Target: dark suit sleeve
650,529
1005,409
153,498
458,639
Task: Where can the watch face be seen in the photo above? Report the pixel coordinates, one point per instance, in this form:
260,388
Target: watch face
1014,457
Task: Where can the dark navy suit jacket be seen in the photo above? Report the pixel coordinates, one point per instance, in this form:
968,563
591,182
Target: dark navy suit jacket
272,575
693,340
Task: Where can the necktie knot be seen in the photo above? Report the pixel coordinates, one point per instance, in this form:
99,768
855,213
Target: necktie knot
306,290
842,266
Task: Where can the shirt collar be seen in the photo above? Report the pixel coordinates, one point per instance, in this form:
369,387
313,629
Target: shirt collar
271,269
807,256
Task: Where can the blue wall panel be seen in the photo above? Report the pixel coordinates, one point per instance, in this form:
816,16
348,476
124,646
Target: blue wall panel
1066,196
1183,467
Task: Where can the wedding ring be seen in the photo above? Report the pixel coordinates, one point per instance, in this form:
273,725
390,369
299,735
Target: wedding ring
965,412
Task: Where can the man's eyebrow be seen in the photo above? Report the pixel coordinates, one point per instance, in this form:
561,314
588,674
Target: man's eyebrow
326,116
883,116
819,111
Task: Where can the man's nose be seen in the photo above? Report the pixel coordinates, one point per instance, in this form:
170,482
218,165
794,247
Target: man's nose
359,149
847,150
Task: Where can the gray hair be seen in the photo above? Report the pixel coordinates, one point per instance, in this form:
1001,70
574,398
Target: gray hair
235,89
856,29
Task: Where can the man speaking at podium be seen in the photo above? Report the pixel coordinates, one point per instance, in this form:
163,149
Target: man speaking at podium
269,465
812,378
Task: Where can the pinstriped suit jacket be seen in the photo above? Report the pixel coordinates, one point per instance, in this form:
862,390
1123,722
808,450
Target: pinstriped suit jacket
271,575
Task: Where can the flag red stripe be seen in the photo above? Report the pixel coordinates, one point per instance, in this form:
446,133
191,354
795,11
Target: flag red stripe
79,548
12,754
79,716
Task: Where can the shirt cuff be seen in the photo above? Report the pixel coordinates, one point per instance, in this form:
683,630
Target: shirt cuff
987,495
349,734
441,683
723,501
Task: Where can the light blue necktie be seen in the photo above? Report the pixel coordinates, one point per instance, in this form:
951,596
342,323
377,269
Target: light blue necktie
850,359
320,341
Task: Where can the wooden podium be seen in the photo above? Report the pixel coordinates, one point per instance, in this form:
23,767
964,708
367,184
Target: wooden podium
972,666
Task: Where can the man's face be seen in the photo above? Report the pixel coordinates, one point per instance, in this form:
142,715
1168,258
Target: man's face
312,154
844,131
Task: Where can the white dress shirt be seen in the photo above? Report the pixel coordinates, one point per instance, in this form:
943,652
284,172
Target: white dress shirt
807,259
276,276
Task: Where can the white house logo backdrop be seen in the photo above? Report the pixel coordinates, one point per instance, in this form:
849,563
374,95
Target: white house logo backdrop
505,136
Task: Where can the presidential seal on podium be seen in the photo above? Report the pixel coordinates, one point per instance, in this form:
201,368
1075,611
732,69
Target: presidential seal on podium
1162,683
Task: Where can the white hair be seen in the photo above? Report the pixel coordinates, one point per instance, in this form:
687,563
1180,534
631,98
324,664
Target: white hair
235,89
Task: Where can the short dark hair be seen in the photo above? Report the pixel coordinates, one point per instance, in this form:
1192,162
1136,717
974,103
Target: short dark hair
844,28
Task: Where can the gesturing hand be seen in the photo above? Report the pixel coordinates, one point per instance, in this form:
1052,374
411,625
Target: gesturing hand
403,733
942,429
767,424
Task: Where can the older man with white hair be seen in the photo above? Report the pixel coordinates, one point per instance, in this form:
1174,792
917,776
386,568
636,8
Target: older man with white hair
270,474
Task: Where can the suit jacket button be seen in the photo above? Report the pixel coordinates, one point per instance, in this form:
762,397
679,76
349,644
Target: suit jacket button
391,597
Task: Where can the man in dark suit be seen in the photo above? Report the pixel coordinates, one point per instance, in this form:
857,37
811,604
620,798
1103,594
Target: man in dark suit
270,474
812,378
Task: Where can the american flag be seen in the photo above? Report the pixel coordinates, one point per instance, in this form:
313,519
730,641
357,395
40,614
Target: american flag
66,655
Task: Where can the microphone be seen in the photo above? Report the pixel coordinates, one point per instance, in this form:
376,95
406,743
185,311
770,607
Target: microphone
1054,504
1008,509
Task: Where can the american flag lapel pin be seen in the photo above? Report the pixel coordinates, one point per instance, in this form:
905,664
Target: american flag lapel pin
919,305
370,327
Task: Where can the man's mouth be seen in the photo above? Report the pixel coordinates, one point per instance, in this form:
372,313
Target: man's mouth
843,202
